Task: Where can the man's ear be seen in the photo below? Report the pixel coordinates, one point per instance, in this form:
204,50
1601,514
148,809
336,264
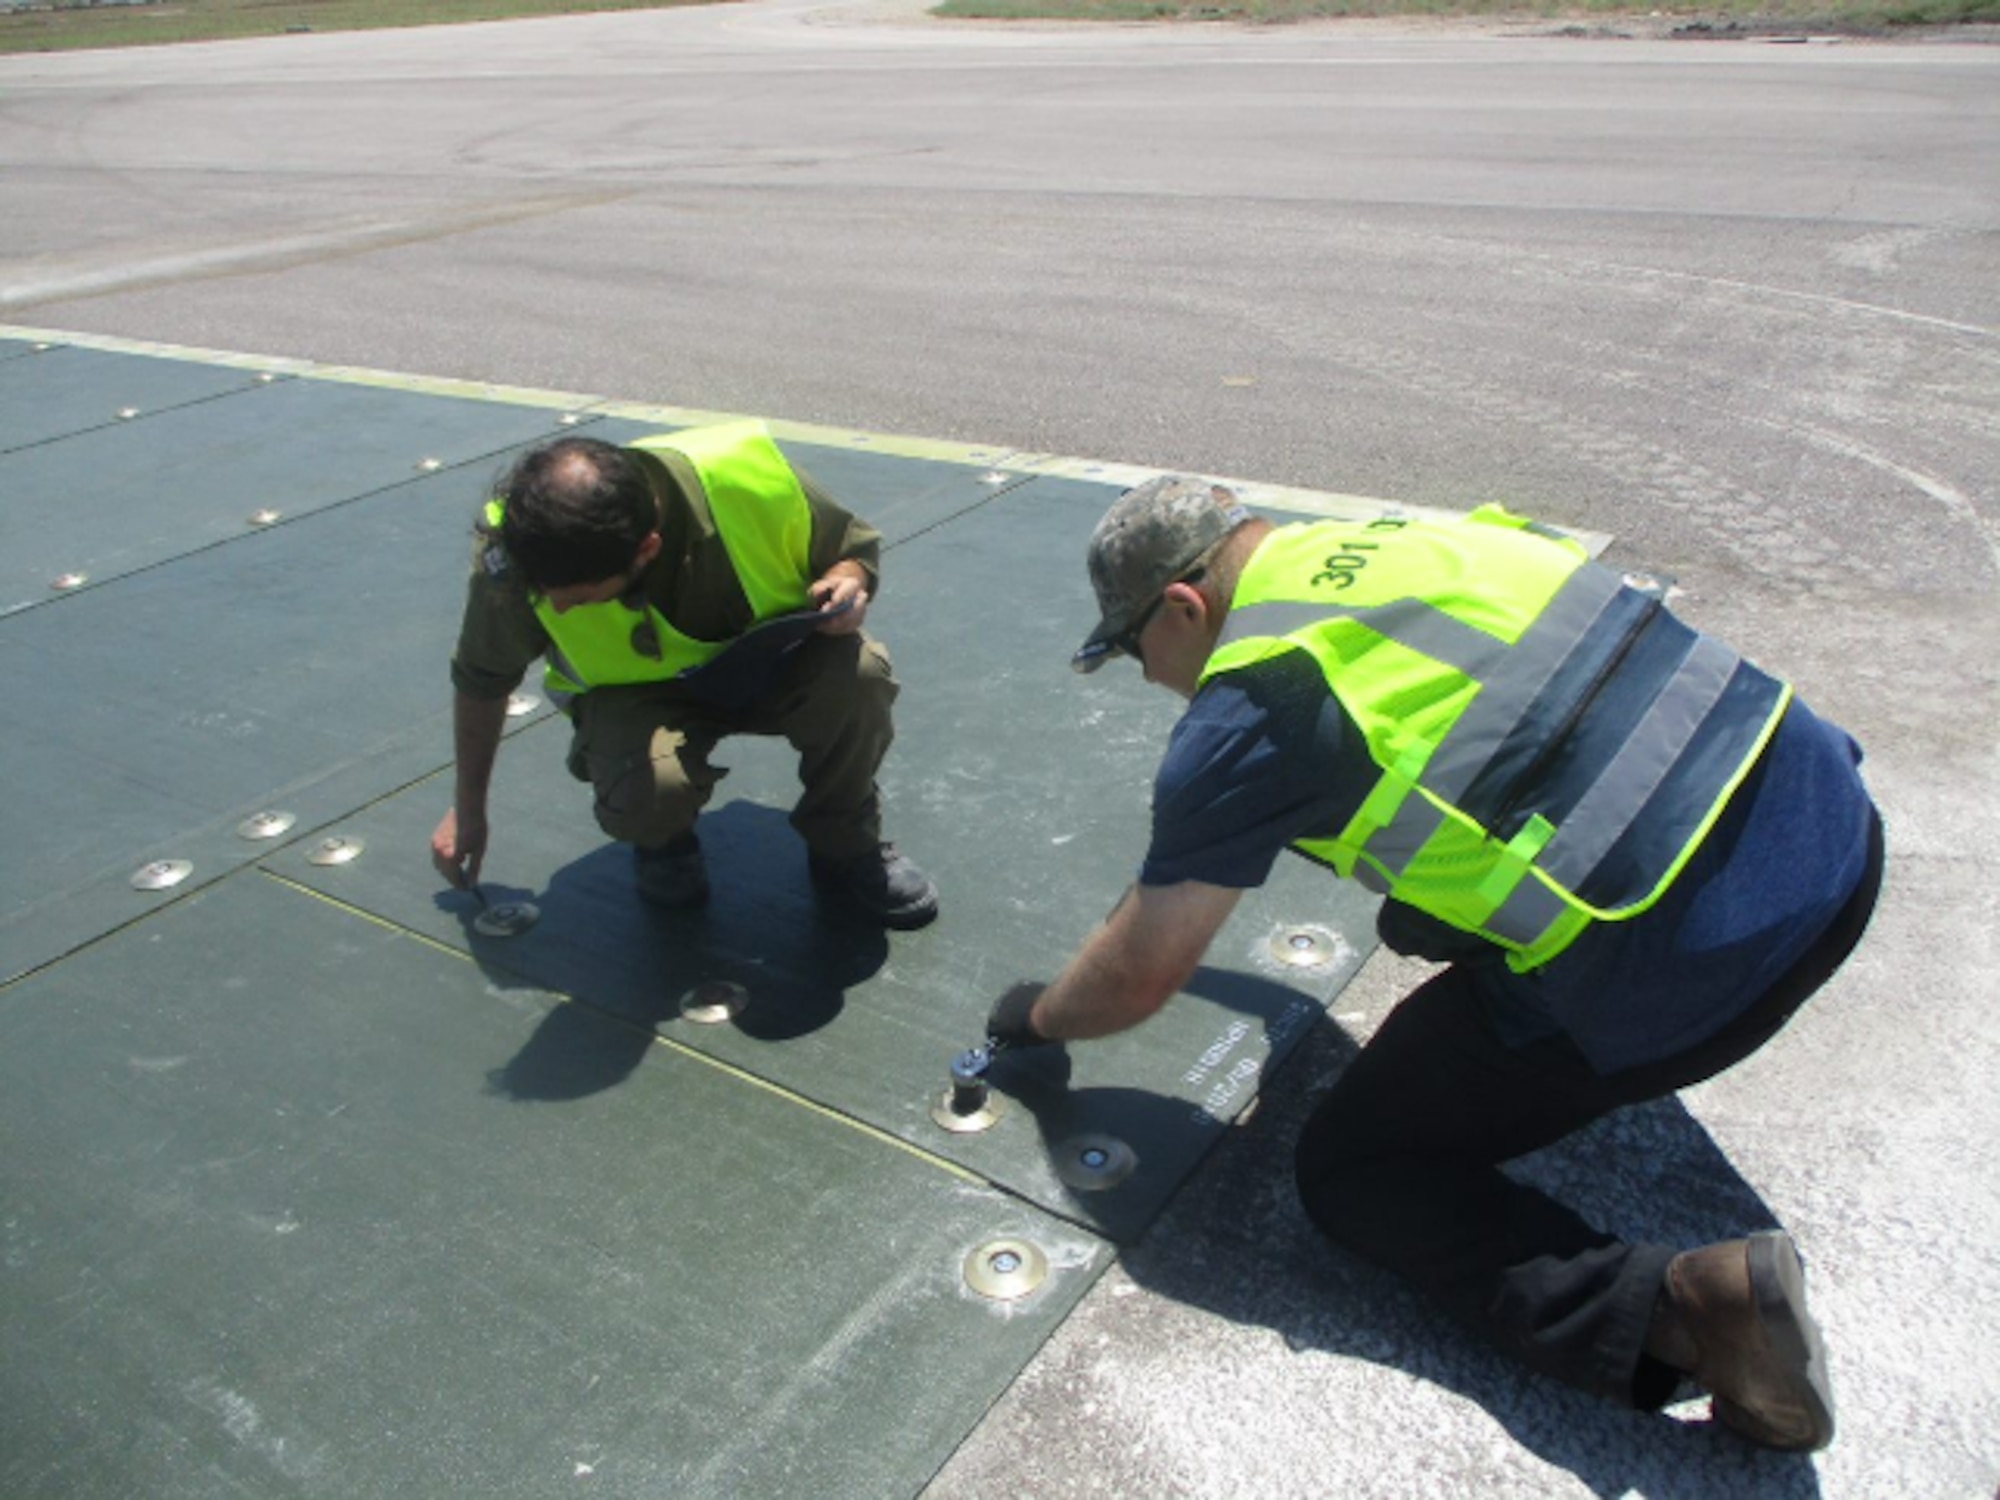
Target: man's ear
648,550
1187,600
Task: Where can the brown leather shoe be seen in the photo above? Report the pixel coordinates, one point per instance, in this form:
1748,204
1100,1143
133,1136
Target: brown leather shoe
1733,1316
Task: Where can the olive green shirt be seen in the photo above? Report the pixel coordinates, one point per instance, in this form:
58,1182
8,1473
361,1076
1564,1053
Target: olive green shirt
692,582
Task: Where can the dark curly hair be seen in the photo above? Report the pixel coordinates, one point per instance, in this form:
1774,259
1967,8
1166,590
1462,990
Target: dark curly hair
576,511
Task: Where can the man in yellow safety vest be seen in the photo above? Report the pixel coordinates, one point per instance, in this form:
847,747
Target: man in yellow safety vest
680,589
1635,853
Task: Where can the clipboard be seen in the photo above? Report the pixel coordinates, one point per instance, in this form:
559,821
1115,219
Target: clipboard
742,673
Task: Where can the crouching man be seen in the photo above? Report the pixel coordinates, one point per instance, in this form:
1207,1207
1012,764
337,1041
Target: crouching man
683,589
1635,853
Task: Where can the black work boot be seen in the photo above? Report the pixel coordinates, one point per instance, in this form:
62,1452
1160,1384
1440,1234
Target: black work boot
882,883
1733,1316
673,875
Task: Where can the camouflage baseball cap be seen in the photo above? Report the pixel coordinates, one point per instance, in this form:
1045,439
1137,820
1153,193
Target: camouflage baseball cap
1154,534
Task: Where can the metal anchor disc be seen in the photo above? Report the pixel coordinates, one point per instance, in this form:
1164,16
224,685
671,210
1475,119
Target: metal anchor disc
714,1001
970,1103
988,1113
67,581
1006,1269
1092,1163
265,825
508,919
266,517
337,849
1307,947
161,874
521,704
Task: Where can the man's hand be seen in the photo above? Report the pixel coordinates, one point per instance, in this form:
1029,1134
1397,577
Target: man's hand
1010,1024
458,848
844,587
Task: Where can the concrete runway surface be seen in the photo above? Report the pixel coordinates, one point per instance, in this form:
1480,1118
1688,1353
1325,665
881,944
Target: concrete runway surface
1734,303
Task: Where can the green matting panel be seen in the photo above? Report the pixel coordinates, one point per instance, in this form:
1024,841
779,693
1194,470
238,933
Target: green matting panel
1022,787
299,1205
311,1189
302,666
63,391
114,500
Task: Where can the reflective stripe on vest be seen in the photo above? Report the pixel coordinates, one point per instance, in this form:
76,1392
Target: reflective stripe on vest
1560,777
762,515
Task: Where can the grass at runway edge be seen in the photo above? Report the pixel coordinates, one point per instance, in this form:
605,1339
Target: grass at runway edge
65,25
69,25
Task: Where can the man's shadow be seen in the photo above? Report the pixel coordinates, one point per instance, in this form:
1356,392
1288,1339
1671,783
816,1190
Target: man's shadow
1650,1173
764,940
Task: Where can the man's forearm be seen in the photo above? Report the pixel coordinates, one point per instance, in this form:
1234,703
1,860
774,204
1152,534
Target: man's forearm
1135,963
1100,992
477,724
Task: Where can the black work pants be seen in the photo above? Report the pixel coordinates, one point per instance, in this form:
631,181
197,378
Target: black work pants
1400,1163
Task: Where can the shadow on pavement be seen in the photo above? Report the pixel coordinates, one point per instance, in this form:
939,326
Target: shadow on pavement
573,1053
624,961
1237,1244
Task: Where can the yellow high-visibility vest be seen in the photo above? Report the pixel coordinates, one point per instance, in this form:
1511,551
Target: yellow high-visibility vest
765,522
1553,745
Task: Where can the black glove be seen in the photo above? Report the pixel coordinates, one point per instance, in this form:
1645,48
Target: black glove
1008,1026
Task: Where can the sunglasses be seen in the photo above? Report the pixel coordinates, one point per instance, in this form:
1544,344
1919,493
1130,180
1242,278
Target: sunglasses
1127,640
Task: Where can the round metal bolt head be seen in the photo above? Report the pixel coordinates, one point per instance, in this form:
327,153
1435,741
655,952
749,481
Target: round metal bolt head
429,465
519,705
714,1001
127,413
1006,1269
265,825
265,517
1307,947
68,581
339,849
508,919
161,874
1092,1163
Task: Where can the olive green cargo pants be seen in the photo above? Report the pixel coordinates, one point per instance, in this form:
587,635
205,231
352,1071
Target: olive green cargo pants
645,749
